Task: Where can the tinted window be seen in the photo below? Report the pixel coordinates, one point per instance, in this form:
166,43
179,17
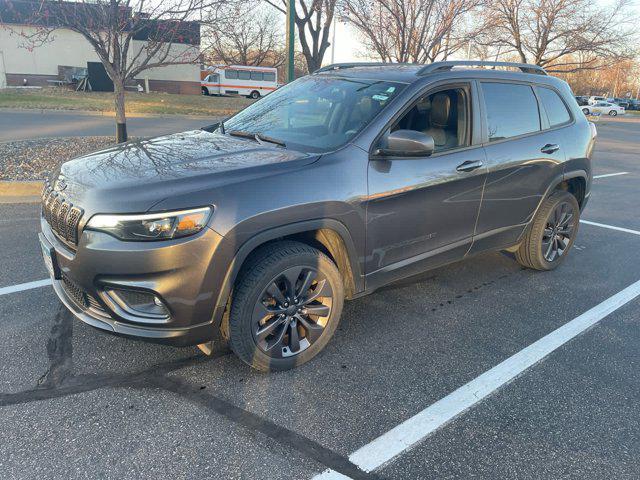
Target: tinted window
555,107
231,74
244,75
269,77
256,76
511,110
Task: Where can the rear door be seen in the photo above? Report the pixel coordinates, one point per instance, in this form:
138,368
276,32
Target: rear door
524,155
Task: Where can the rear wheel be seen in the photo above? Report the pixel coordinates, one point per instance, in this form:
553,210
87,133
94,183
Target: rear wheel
255,95
613,113
551,236
585,111
287,304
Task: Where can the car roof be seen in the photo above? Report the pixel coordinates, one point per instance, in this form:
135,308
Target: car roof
412,73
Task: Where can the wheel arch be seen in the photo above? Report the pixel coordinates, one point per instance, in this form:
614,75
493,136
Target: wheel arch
327,235
574,182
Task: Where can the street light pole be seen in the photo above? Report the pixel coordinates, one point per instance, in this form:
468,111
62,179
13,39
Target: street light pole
291,11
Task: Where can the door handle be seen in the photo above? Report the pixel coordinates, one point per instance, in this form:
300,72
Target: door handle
550,148
469,165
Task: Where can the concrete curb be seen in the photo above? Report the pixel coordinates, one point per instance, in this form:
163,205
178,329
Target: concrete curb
20,189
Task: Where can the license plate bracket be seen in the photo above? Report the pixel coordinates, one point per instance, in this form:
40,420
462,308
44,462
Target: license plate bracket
50,259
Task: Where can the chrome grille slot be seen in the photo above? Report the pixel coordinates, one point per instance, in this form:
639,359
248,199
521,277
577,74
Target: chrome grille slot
62,216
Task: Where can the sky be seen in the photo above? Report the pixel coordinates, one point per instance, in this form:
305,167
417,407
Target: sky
349,49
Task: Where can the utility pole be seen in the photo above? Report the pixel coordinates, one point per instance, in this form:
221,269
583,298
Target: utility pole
291,12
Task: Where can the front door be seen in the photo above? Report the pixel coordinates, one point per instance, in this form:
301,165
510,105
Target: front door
421,212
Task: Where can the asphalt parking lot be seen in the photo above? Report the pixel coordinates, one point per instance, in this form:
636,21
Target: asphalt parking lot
76,403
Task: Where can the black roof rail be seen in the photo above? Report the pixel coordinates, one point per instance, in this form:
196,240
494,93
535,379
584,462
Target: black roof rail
448,65
342,66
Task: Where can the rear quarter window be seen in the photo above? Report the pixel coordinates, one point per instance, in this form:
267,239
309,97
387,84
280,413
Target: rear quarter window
512,110
554,106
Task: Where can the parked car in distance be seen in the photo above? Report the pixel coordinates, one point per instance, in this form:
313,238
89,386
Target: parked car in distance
253,231
633,104
604,108
251,82
595,99
582,100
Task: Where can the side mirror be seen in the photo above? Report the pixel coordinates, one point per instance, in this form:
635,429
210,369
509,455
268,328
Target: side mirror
407,143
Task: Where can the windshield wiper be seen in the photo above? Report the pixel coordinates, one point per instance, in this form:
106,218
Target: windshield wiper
258,137
267,138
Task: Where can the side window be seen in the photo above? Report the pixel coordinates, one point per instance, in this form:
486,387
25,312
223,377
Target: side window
244,75
554,106
443,115
512,110
231,74
269,77
256,76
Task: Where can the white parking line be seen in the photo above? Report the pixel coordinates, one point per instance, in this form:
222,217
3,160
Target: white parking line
610,175
24,286
611,227
407,435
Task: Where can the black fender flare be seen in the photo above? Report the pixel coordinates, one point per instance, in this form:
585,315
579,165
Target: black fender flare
557,180
282,231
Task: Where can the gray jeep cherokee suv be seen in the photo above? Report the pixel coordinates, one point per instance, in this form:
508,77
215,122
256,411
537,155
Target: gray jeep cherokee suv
254,231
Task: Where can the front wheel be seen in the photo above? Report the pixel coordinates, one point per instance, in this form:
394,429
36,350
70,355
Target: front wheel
205,91
286,306
550,237
613,113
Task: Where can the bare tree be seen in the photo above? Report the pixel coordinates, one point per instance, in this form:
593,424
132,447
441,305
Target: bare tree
128,36
565,35
243,36
418,31
313,21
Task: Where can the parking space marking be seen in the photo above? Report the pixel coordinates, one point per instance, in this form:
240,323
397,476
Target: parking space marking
611,227
24,286
610,175
408,434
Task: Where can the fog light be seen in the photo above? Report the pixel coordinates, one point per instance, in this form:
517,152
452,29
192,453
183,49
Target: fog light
139,303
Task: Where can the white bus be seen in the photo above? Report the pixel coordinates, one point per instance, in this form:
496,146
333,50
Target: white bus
252,82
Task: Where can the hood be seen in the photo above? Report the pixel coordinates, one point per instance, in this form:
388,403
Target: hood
136,175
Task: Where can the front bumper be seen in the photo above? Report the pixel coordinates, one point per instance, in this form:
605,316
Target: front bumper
180,272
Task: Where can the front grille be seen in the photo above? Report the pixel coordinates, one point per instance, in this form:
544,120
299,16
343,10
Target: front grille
61,215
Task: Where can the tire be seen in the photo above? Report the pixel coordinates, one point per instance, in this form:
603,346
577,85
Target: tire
254,95
205,91
613,113
264,279
535,251
585,111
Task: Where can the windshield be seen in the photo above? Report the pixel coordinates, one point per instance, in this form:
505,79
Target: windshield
315,113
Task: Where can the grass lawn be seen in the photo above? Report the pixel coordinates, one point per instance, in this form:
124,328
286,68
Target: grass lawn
159,103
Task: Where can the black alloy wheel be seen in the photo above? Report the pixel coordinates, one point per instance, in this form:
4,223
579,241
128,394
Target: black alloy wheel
292,311
550,236
558,231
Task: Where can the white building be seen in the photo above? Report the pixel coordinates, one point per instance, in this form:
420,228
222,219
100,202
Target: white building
40,66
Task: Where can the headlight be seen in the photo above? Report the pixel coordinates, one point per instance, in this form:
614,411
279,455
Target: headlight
152,226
